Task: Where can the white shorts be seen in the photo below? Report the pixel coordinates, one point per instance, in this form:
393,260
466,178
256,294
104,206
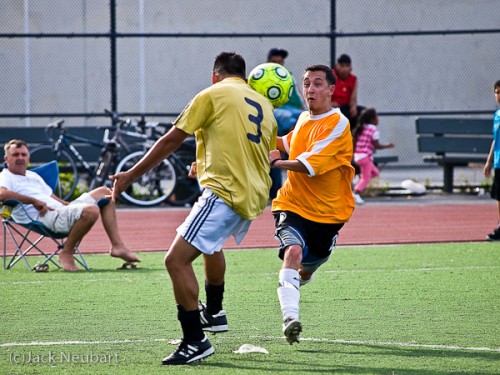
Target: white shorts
210,224
61,220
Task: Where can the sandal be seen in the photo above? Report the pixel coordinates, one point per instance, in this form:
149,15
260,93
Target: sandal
43,267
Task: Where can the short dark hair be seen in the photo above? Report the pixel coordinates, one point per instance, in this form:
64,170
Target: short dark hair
330,77
367,116
277,52
497,84
16,142
344,59
230,63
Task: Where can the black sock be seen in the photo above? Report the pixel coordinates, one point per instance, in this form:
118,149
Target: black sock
215,294
190,323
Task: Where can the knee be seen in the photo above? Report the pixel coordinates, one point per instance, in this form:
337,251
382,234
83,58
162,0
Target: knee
90,213
167,261
170,263
99,192
293,256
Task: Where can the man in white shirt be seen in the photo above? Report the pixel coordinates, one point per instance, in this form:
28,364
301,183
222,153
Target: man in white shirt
39,203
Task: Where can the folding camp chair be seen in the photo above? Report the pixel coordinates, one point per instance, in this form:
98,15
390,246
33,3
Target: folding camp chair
19,233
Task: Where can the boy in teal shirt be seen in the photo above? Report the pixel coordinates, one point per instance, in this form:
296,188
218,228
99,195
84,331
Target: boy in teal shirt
493,162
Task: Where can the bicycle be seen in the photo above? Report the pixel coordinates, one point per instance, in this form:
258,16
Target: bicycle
66,155
185,189
71,162
168,181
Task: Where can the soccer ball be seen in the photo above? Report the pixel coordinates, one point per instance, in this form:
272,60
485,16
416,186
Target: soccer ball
273,81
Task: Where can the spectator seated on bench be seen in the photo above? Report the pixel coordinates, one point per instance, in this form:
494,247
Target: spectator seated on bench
454,143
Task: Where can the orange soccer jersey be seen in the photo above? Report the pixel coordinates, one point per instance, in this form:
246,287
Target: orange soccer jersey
323,143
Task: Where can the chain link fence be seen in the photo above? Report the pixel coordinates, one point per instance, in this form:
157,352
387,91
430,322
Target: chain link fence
73,59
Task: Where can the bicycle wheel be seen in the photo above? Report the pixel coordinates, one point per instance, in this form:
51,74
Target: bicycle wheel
187,189
153,187
68,172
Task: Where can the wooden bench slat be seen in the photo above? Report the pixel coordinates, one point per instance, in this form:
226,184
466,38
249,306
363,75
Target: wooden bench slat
385,159
443,144
454,126
442,136
455,160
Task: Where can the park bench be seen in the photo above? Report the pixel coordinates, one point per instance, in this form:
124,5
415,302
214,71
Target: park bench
453,142
383,160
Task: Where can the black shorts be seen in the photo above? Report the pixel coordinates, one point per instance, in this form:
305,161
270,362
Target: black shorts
495,188
317,239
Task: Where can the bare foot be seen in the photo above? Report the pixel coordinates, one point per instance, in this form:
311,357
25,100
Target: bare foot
68,262
123,253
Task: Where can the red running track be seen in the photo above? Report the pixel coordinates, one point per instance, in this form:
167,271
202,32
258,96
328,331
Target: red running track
395,221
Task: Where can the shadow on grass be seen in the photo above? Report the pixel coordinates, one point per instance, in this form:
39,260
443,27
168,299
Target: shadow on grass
424,358
429,352
291,365
312,367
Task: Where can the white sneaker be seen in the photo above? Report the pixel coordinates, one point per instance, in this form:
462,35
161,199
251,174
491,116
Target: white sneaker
358,199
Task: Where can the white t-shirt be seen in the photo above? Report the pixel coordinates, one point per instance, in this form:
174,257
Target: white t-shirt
31,185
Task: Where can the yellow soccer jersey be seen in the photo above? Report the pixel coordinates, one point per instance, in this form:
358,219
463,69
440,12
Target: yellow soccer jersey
235,130
323,143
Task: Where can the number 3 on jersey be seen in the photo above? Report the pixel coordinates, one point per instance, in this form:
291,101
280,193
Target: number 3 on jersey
257,120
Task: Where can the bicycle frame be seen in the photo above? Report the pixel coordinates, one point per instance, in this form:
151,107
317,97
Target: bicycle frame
63,141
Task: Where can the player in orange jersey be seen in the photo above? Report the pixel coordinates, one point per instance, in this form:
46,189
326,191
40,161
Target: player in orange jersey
316,199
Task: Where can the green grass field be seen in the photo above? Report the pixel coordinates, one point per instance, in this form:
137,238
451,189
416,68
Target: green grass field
407,309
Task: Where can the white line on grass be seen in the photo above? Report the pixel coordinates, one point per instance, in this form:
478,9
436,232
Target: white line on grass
335,341
76,342
390,343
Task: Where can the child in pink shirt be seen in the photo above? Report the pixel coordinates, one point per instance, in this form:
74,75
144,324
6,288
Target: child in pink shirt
366,140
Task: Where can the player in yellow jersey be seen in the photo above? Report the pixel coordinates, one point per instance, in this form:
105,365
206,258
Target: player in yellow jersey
316,199
235,130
